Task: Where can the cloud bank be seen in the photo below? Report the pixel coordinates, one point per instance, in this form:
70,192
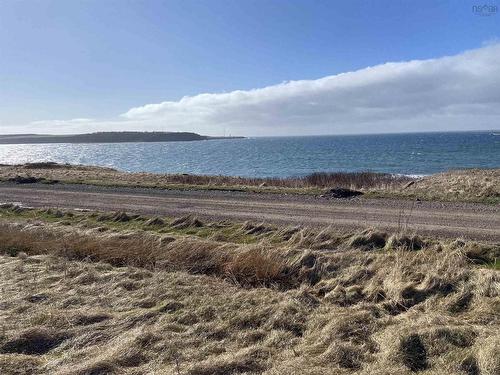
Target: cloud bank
448,93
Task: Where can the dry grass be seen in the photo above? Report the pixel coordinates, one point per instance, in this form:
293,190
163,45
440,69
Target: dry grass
78,299
247,265
108,176
471,185
475,185
359,180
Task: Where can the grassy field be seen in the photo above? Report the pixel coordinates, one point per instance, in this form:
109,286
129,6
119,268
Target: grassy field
113,293
474,185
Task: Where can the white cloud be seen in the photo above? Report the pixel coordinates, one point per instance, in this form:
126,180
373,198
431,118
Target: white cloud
455,92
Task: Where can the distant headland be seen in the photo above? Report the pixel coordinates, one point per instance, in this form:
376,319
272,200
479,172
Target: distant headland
106,137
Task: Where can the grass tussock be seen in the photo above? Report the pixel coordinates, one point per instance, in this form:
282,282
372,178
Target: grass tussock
358,180
33,341
80,299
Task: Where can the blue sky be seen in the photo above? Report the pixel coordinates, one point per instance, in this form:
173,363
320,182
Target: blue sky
73,66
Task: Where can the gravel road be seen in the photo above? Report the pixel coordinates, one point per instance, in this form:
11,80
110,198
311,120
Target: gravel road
440,219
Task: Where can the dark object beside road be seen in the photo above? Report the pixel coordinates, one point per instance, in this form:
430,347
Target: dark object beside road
31,180
341,193
25,179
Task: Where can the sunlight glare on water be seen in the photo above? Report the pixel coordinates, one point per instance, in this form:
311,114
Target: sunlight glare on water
413,154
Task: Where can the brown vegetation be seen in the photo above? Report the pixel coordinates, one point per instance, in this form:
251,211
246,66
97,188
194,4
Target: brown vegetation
471,184
87,174
88,296
477,185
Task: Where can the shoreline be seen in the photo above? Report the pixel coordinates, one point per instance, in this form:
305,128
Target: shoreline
267,157
471,185
117,169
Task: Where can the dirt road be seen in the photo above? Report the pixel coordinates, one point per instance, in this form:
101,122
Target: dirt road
467,220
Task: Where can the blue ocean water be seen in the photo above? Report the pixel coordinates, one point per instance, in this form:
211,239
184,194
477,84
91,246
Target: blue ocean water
411,154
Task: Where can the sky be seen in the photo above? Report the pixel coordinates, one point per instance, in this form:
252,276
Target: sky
248,67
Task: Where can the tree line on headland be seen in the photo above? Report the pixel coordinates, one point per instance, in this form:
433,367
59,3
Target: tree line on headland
106,137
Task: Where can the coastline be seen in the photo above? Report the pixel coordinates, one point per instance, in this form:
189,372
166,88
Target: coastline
277,156
472,185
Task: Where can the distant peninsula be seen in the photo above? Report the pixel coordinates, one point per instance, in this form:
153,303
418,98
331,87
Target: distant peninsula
106,137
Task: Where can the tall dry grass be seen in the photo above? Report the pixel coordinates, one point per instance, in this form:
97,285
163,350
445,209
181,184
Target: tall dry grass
65,172
244,264
79,300
354,180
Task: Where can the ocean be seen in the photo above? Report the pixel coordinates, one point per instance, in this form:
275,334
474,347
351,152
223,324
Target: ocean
409,154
